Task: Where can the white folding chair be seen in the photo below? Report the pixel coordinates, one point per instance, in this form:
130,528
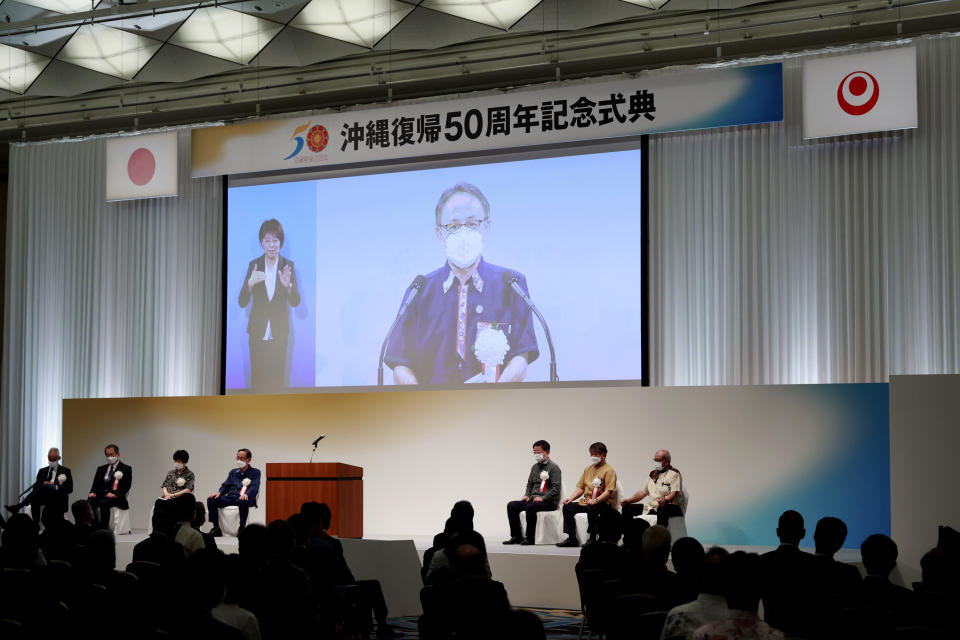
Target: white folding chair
549,524
120,521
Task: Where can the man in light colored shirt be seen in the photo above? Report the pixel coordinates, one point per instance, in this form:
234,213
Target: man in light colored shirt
710,605
664,487
596,491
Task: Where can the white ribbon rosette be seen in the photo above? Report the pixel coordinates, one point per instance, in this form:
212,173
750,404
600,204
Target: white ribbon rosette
490,348
596,487
61,478
181,482
116,479
246,483
544,476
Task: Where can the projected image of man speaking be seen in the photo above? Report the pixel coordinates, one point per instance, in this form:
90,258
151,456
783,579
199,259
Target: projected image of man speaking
271,283
467,324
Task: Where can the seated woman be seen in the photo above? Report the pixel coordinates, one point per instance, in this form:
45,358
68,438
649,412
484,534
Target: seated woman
178,482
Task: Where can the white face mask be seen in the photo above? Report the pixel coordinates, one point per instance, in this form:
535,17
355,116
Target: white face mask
464,247
538,457
241,464
594,459
112,459
53,463
178,466
658,466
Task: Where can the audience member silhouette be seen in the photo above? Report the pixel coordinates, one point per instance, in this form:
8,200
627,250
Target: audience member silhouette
688,556
710,604
160,546
879,554
606,552
744,571
835,582
786,582
652,576
83,520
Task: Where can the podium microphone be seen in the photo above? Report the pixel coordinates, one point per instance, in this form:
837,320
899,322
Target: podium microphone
319,438
512,280
415,288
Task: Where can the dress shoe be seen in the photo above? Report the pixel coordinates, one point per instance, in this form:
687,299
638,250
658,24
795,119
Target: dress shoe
14,509
216,533
527,543
514,540
569,542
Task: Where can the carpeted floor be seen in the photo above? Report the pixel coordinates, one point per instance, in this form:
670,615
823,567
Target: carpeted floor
560,624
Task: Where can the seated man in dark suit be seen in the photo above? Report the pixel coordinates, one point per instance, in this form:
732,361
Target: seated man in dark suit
53,487
111,483
240,489
786,586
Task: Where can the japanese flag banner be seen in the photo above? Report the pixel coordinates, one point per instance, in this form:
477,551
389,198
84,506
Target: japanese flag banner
142,166
860,93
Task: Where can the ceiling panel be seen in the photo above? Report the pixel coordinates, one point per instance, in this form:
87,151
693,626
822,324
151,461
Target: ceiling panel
108,50
226,34
362,22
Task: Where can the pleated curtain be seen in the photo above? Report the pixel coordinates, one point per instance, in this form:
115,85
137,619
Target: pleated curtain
779,260
102,299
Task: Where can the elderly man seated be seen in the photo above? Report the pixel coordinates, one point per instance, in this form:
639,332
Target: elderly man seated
665,490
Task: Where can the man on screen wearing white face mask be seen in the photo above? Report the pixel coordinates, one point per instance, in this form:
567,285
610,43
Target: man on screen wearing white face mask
542,494
111,483
52,488
596,490
467,323
664,487
239,489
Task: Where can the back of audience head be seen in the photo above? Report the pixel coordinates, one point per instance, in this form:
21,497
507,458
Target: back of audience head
687,556
656,545
743,581
252,544
20,540
199,515
185,508
790,528
313,517
162,522
299,523
935,571
99,552
462,515
879,555
204,571
633,530
714,571
281,538
466,559
326,516
829,535
609,526
82,512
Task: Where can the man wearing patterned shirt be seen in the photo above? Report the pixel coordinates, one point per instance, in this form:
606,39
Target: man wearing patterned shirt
465,297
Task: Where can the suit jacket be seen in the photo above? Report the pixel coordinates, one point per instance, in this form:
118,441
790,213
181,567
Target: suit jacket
787,588
60,494
264,308
102,487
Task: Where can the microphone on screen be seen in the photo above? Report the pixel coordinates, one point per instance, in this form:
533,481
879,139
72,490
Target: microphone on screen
412,291
512,279
321,437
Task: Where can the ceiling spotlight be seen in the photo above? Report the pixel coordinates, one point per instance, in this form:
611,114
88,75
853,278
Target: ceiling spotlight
257,8
137,27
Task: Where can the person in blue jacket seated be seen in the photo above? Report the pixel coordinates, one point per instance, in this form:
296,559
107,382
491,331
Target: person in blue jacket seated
240,489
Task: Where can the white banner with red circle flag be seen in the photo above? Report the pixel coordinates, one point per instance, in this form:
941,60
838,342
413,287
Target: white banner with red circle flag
860,93
143,166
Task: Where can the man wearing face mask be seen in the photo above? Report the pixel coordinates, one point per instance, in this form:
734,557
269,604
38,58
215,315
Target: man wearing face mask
664,486
240,489
542,494
111,483
52,488
596,490
467,296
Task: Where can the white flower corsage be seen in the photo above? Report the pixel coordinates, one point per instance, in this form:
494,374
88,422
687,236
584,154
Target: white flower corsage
597,481
596,487
61,478
490,349
181,482
246,483
544,475
116,479
118,475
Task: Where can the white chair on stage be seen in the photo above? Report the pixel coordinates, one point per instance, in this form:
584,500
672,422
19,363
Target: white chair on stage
549,523
581,518
229,519
120,521
677,525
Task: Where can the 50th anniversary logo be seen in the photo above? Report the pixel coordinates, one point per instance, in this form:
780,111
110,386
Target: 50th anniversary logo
316,141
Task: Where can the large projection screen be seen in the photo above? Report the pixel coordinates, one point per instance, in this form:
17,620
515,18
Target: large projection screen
317,270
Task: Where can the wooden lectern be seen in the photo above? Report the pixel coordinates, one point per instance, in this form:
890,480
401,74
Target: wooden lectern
290,484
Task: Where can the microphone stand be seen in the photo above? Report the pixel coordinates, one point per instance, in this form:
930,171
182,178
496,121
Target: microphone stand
553,355
314,450
383,349
415,287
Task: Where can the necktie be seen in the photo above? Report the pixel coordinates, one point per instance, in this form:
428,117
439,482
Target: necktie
51,474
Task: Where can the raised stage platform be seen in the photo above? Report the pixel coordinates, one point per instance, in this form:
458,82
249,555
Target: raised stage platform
539,576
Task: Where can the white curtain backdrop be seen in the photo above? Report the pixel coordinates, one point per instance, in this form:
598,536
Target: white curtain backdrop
102,299
775,260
